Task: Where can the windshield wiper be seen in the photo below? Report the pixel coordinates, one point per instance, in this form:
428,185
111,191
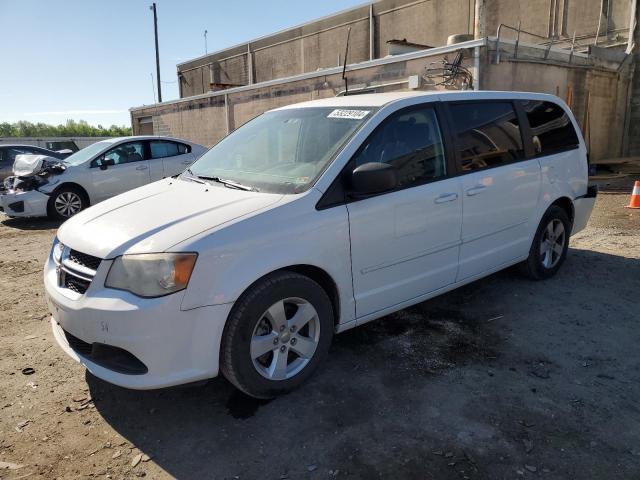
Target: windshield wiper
227,183
192,177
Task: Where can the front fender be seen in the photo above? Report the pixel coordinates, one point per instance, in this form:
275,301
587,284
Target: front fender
231,259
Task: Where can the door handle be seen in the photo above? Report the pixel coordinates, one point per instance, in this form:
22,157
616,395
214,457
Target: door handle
475,190
142,167
187,162
446,197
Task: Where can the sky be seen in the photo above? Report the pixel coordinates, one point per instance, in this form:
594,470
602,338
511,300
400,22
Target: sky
93,60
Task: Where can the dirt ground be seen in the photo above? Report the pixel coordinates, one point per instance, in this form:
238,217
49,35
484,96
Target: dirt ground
504,378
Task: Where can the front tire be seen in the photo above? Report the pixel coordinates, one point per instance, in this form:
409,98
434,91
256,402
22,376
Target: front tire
550,244
65,202
277,334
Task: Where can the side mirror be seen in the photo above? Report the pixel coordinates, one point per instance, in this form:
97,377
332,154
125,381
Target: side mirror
373,177
105,163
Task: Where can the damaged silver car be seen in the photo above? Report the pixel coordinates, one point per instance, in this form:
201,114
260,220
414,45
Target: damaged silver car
46,186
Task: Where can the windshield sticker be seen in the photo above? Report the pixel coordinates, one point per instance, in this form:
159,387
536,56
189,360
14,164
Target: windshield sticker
351,114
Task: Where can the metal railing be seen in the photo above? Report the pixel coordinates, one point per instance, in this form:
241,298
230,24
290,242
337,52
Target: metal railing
519,30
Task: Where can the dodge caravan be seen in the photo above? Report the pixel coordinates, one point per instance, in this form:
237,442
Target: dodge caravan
309,220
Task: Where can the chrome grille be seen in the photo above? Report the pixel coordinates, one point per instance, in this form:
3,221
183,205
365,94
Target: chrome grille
76,270
85,260
76,284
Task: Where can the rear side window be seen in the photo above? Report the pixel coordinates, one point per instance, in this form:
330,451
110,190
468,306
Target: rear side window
411,142
488,134
161,149
551,128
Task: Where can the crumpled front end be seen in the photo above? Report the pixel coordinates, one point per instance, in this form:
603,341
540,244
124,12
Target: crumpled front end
26,194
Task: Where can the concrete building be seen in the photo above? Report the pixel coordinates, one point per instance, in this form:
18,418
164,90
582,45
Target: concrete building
580,50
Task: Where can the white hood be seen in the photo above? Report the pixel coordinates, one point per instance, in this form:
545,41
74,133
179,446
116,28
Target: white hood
27,164
157,216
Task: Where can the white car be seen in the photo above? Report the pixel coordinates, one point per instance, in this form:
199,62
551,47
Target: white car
62,188
309,220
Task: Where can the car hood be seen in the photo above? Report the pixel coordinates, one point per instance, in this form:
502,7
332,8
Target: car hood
157,216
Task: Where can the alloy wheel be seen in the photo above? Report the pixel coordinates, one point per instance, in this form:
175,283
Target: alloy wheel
285,338
552,243
68,204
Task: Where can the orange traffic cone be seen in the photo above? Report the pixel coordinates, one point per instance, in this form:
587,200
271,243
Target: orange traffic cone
635,196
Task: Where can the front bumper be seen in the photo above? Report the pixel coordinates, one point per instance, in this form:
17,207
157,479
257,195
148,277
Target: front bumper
31,203
175,346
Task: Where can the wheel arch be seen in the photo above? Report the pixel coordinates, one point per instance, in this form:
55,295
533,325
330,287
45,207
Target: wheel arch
74,185
318,275
566,204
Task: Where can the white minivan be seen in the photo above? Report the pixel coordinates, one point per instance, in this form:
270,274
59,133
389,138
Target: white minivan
309,220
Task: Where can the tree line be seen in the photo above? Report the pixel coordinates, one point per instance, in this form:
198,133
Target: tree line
69,129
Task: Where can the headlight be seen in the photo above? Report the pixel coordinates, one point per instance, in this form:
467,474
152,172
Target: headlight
151,274
56,250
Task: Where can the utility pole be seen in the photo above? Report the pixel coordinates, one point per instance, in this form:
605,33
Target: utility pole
155,29
205,42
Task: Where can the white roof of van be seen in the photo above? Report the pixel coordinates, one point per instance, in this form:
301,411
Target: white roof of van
380,99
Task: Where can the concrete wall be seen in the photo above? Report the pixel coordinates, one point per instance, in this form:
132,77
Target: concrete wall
559,18
321,44
204,120
427,23
597,94
633,120
592,93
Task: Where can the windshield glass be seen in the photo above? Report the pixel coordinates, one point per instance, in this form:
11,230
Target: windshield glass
86,153
283,151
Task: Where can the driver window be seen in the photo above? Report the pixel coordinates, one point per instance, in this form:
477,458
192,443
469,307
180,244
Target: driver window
124,153
411,142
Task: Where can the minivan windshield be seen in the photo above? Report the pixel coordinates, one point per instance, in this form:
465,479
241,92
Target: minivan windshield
281,151
87,153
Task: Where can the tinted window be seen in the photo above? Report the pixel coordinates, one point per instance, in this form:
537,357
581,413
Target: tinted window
551,127
161,149
488,134
124,153
411,142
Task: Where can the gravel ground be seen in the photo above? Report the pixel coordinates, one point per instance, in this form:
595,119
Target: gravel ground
504,378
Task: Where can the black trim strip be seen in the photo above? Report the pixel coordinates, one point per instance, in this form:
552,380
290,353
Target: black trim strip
592,192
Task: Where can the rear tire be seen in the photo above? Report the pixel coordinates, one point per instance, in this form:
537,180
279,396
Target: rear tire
66,202
277,334
550,244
